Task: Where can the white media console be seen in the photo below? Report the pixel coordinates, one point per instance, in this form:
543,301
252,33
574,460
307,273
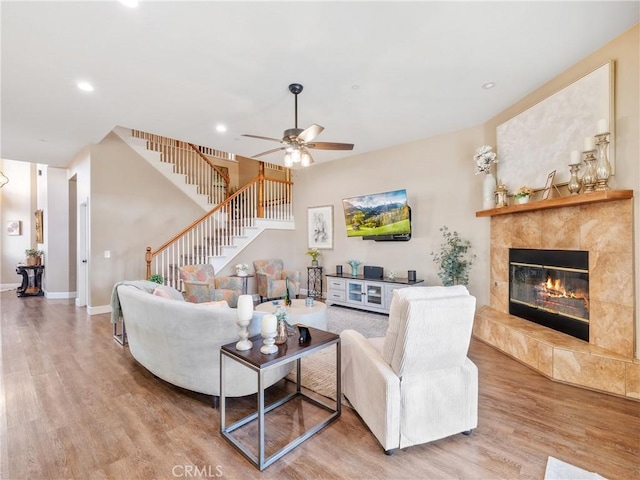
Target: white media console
365,293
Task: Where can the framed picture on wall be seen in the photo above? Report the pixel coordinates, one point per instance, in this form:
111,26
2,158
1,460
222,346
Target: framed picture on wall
13,227
541,138
320,227
39,227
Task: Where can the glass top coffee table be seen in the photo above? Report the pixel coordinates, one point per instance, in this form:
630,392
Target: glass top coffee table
291,351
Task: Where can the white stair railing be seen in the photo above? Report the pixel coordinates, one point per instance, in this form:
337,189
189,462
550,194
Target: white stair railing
193,162
209,235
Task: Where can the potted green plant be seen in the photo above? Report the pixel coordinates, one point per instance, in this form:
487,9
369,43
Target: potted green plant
314,253
34,257
454,259
523,194
156,278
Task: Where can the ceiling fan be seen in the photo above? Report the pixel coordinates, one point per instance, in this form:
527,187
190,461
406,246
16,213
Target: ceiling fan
296,141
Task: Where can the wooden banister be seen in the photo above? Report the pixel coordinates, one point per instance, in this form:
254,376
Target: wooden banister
262,197
211,164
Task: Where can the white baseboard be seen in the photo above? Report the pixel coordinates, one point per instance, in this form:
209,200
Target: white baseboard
9,286
99,309
59,295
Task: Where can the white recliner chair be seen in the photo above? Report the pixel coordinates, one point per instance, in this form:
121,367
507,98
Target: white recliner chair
415,385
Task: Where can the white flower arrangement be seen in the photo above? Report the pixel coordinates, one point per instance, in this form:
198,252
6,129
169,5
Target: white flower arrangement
242,269
484,158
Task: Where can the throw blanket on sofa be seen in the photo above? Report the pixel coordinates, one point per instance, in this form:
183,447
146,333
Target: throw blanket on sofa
116,311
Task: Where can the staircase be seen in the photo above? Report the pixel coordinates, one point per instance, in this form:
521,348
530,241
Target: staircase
230,222
185,165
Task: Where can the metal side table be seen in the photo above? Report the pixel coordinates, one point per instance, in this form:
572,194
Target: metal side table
260,363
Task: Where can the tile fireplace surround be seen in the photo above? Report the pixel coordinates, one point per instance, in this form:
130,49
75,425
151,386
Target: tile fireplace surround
602,224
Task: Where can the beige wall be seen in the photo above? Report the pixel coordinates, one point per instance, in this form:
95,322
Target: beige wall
17,202
132,206
438,174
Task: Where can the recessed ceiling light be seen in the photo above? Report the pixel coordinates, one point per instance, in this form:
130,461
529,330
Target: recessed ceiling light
85,86
221,128
489,85
129,3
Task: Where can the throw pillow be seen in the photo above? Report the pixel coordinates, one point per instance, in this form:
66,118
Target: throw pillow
168,292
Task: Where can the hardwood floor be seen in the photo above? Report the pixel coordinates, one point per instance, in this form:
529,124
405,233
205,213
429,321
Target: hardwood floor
75,404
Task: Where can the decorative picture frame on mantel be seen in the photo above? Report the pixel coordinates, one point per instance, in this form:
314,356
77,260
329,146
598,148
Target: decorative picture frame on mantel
320,227
541,138
547,187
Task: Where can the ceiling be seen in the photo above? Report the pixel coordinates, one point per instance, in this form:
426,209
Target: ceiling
375,74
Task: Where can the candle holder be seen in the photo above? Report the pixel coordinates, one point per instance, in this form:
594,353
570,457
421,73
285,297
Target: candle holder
268,343
245,314
603,167
574,182
589,177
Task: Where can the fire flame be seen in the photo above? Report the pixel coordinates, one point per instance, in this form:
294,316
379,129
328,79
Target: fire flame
555,288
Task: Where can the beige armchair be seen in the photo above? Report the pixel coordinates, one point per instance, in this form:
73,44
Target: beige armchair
272,277
415,385
201,285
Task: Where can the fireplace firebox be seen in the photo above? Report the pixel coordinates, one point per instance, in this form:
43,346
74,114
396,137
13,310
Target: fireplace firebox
551,288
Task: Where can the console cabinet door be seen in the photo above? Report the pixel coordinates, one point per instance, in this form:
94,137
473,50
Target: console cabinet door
355,292
374,294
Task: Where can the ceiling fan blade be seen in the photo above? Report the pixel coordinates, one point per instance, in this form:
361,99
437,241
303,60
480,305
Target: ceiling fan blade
268,152
330,146
310,133
279,140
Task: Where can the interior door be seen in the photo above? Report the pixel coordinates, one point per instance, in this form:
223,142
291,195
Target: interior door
83,256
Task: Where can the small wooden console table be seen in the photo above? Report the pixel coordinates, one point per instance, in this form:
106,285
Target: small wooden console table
260,363
31,280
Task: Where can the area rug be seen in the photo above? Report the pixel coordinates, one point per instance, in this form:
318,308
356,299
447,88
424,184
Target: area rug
319,369
559,470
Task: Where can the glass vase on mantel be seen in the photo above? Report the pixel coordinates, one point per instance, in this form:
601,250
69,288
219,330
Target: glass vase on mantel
488,191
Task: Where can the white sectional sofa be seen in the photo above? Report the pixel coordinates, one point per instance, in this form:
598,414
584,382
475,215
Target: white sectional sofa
179,341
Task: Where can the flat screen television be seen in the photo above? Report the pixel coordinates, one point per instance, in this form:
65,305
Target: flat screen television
382,216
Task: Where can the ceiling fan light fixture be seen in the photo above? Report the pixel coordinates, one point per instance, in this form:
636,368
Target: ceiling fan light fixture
296,140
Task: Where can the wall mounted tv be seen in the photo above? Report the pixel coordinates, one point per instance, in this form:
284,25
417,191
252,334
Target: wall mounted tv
382,216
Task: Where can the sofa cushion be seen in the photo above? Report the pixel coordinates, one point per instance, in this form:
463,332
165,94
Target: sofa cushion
168,292
221,303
